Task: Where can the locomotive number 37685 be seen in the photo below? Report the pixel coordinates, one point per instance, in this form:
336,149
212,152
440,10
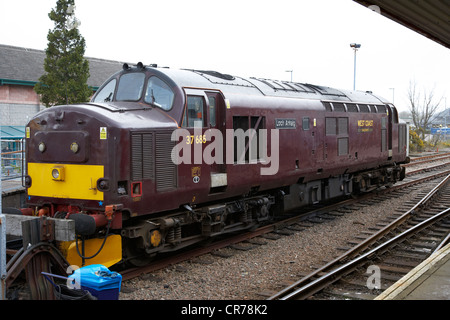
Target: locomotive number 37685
197,139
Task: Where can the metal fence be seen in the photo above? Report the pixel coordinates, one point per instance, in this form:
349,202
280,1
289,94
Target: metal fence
12,158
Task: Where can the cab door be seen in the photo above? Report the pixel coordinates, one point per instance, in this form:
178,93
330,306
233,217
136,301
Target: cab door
195,122
217,125
204,118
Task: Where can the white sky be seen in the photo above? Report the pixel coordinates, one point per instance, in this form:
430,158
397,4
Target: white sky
249,38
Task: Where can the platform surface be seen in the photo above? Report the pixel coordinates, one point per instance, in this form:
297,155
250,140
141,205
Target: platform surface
428,281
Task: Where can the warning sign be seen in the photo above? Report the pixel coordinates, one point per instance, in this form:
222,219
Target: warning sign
103,133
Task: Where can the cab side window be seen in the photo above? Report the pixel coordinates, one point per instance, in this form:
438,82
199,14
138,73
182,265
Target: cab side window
195,114
106,93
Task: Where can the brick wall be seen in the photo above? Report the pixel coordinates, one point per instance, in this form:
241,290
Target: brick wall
18,94
18,104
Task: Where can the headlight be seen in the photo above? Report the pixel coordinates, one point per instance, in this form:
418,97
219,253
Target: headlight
55,173
42,147
58,173
74,147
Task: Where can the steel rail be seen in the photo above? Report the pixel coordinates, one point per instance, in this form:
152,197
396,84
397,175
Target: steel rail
334,275
304,288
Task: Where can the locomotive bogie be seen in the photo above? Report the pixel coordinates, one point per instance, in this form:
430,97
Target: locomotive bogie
177,230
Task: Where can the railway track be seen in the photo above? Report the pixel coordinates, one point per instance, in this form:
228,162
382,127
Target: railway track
383,256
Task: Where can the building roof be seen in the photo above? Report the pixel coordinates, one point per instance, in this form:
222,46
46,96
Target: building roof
25,66
442,117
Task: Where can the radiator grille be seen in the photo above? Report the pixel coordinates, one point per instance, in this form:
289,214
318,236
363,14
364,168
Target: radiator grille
152,152
142,159
166,170
148,167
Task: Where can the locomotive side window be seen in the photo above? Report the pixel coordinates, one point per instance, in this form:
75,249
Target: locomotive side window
194,115
247,136
106,93
130,87
212,111
305,123
159,93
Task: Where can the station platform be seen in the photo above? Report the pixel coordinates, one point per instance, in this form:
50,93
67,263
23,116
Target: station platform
428,281
12,185
13,194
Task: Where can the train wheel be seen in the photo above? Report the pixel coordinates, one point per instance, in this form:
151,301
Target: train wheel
134,256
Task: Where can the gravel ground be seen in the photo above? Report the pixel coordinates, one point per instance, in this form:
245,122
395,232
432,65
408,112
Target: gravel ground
246,274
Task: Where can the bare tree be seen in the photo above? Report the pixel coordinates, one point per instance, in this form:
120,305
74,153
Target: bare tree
423,106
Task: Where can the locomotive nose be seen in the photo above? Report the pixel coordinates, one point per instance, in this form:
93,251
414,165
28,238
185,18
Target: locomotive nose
59,166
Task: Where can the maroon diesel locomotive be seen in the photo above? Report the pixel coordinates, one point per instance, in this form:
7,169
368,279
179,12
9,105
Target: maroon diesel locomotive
161,158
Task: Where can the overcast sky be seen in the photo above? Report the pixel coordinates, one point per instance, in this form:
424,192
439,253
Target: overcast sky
249,38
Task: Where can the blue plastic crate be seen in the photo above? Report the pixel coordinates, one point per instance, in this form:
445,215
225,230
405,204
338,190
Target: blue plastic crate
99,281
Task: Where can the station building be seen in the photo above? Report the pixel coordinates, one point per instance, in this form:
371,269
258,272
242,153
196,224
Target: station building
20,70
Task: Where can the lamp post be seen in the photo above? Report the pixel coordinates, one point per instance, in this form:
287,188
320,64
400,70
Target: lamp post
393,94
355,47
290,72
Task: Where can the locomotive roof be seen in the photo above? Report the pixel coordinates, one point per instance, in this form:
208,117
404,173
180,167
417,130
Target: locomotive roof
229,84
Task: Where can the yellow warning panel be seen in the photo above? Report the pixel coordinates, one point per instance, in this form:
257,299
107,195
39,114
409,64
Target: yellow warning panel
78,181
110,254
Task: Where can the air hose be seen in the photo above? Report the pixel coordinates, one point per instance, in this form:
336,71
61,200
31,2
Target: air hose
101,247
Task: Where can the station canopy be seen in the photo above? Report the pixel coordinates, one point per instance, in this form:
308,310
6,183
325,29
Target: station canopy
431,18
12,132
